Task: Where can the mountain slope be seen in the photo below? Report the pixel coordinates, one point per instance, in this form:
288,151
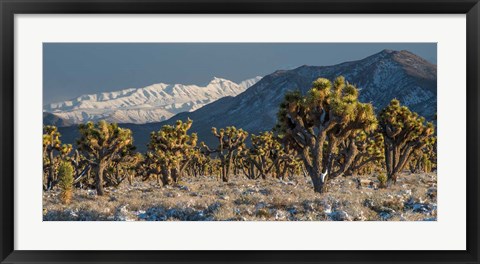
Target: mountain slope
54,120
381,77
153,103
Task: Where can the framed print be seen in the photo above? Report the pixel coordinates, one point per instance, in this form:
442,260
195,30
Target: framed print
207,131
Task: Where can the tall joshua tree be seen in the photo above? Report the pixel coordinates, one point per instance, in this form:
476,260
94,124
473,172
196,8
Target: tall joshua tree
230,141
101,143
169,150
51,143
326,115
404,132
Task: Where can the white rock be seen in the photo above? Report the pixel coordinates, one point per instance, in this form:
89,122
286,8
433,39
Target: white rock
339,216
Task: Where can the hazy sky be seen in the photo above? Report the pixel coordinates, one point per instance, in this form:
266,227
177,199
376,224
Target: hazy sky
73,69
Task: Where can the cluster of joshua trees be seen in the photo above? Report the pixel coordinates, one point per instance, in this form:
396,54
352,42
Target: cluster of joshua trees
323,134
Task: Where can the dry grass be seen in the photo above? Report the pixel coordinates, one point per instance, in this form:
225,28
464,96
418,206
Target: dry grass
413,198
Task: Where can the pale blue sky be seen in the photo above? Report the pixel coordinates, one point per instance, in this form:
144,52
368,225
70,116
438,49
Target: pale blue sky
73,69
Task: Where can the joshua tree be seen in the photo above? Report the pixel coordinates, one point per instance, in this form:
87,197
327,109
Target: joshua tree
121,167
200,163
289,161
101,143
169,151
358,153
133,165
404,132
51,143
65,175
371,153
244,162
265,152
269,156
324,117
424,159
82,168
230,141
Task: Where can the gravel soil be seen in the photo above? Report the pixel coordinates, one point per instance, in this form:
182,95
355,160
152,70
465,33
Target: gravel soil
413,198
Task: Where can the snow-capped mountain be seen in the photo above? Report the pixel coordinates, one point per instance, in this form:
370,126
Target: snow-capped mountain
153,103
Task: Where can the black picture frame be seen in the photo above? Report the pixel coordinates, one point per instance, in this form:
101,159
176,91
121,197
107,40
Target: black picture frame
9,8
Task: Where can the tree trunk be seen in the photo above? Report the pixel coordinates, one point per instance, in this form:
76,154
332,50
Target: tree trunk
318,184
262,173
347,163
166,177
99,181
224,174
318,179
252,171
51,171
389,156
392,178
130,178
227,167
176,175
282,175
235,168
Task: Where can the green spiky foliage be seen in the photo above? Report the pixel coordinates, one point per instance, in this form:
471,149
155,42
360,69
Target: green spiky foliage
382,179
371,153
214,166
265,153
244,162
121,167
170,149
101,143
404,132
360,153
289,162
65,150
51,144
325,116
65,175
62,154
199,163
424,159
230,142
258,160
269,155
134,165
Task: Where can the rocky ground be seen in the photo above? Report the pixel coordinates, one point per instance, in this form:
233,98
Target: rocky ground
413,198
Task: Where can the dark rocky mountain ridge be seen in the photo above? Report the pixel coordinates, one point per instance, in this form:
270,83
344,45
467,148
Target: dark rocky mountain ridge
54,120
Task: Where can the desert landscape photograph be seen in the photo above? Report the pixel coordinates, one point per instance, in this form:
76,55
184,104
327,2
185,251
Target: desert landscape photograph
239,132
